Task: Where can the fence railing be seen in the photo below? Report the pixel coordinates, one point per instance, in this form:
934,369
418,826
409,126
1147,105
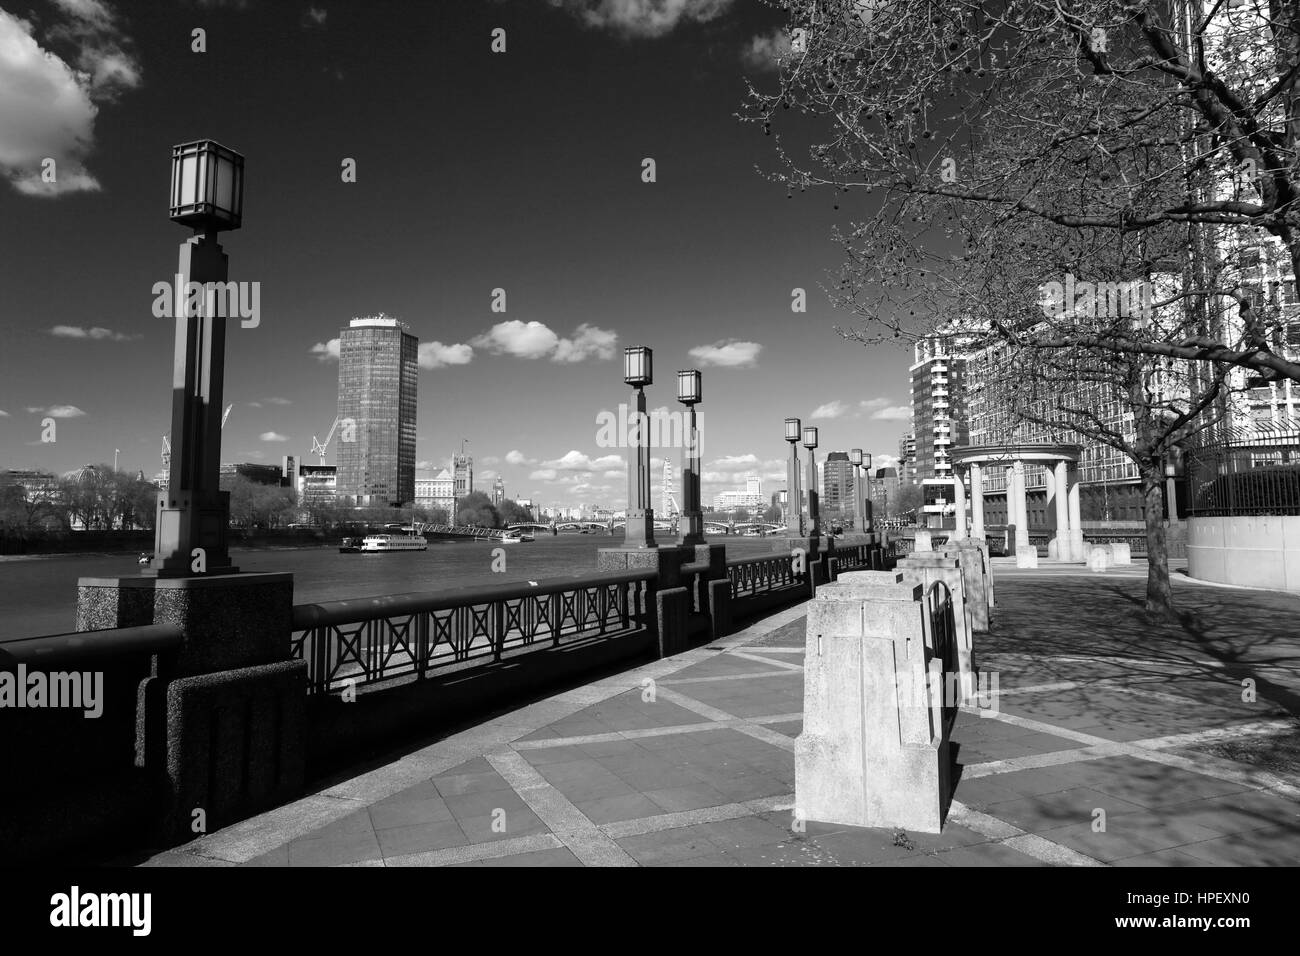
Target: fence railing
750,576
370,640
1228,480
853,557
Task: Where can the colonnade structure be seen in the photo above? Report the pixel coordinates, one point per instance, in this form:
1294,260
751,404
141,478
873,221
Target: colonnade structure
1061,466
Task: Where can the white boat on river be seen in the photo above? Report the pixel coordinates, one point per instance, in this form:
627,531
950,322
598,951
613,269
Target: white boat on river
394,542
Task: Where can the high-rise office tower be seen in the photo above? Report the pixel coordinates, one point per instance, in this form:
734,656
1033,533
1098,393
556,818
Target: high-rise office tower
837,484
378,371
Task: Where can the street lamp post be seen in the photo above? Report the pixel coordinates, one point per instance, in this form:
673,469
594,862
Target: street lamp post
194,515
810,442
640,529
1171,488
690,393
855,459
793,496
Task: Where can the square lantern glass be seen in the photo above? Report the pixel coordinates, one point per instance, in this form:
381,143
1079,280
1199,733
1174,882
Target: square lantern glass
689,387
792,429
207,186
637,366
855,456
866,461
810,437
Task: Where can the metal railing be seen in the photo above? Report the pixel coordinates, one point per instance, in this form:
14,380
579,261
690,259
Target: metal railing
750,576
370,640
853,557
1245,474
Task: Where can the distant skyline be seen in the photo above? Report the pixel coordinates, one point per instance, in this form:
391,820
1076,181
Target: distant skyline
475,172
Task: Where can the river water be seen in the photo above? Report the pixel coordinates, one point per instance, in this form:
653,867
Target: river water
38,595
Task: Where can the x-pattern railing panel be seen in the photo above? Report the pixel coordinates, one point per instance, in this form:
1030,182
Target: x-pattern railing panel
370,648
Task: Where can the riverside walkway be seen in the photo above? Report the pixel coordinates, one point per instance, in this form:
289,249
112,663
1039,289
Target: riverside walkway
1112,743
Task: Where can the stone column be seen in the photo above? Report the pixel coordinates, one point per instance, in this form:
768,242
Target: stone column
1076,522
959,505
640,525
1062,537
1022,509
977,501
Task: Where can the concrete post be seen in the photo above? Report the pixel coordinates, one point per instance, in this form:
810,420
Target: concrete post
959,505
977,501
194,514
814,511
692,520
874,750
640,527
1022,508
1061,495
1076,521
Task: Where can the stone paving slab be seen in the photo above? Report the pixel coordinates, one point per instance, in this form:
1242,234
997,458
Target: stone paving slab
1108,746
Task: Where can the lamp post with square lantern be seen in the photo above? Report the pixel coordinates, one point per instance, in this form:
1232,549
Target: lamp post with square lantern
207,194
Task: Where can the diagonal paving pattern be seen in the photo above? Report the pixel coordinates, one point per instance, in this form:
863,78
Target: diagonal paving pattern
689,761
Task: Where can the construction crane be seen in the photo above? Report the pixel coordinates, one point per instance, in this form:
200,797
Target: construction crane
167,445
318,448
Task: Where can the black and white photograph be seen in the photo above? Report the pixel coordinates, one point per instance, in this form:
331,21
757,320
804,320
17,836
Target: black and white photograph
649,433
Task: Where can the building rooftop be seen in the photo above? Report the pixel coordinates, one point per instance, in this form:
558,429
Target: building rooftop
377,321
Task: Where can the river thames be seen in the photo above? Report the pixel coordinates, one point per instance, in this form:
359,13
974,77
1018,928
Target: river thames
38,595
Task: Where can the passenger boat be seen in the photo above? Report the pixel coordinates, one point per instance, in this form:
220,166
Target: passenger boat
350,546
394,542
514,537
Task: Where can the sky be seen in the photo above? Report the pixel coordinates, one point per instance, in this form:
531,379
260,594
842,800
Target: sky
476,171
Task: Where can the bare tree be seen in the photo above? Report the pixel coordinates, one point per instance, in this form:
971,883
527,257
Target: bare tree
1097,119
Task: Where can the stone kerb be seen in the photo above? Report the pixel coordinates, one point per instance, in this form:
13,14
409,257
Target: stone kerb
874,749
926,570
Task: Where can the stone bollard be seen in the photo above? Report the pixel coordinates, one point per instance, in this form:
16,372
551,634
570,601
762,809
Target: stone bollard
1026,556
929,569
1121,553
1099,557
874,749
1054,549
923,540
977,579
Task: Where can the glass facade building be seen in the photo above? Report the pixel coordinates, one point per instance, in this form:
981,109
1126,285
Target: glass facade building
378,372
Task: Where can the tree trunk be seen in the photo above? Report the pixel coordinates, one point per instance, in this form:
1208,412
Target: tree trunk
1160,598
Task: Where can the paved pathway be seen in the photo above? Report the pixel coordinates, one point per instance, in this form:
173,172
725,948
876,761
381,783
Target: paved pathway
1113,743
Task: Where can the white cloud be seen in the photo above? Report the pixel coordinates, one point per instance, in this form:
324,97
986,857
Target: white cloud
526,340
3,413
535,340
61,411
871,404
764,50
577,461
490,460
730,353
326,351
314,17
834,409
276,400
272,436
587,342
884,461
97,333
48,103
516,457
542,474
892,413
437,355
642,18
